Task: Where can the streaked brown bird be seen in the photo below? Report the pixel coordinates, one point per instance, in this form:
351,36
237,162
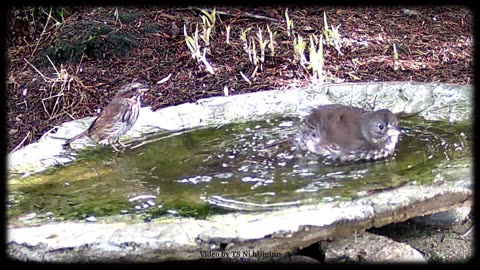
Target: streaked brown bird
346,133
117,117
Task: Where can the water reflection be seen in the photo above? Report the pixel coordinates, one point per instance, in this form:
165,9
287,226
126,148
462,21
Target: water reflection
248,166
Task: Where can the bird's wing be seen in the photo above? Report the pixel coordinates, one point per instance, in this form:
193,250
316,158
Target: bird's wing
111,115
343,127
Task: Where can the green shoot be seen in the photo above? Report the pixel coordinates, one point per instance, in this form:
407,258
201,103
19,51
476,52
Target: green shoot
228,34
271,35
61,13
299,47
195,49
332,35
395,53
263,44
206,34
395,57
336,38
254,51
316,59
289,24
243,38
116,14
211,17
326,31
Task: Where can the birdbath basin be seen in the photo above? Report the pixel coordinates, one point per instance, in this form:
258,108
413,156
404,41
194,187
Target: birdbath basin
220,176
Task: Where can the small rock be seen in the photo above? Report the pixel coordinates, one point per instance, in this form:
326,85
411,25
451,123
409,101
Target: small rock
410,12
297,259
369,248
172,212
445,218
174,30
91,219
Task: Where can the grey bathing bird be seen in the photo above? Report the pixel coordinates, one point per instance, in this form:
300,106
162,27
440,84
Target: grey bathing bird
346,133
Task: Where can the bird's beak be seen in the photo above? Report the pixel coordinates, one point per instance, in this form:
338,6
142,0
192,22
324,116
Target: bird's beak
393,131
142,89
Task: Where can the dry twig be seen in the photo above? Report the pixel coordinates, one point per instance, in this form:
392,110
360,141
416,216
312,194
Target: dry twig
21,143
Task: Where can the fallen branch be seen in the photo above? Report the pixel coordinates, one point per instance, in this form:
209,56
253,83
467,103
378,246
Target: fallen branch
41,74
55,128
244,14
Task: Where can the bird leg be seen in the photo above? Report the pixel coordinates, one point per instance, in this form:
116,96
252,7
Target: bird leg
123,145
114,147
120,144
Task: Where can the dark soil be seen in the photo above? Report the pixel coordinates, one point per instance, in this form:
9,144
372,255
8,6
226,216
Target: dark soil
453,244
94,50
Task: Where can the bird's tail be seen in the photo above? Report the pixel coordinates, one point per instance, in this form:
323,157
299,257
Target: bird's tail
67,142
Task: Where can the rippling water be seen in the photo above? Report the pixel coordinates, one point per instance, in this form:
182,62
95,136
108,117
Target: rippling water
252,166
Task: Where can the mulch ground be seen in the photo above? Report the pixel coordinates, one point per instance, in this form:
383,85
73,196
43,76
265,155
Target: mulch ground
66,64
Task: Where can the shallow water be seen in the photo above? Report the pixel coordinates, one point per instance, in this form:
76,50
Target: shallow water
202,171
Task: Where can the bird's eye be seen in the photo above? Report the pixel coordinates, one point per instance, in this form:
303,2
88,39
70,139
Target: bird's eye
380,126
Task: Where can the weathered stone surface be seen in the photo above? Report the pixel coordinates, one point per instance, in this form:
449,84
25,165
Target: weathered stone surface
280,231
450,217
445,218
297,259
369,248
